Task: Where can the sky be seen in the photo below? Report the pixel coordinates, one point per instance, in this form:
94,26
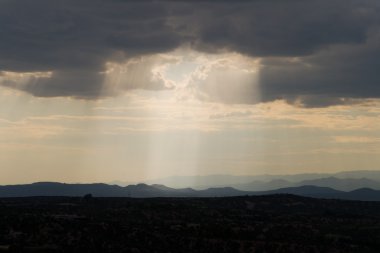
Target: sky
104,90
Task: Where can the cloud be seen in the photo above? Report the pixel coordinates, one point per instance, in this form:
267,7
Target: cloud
228,79
145,72
75,39
281,28
314,53
337,76
357,139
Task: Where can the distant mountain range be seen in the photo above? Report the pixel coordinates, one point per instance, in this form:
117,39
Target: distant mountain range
342,184
344,181
149,191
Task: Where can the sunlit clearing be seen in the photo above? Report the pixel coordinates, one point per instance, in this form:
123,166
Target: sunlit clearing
190,84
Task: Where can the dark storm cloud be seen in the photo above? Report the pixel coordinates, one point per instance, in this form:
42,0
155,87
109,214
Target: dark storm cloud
282,28
315,52
326,78
74,40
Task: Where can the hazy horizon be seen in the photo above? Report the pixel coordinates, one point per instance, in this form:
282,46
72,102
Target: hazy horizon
266,177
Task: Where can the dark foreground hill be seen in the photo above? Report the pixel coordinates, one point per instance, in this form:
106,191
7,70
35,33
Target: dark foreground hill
149,191
273,223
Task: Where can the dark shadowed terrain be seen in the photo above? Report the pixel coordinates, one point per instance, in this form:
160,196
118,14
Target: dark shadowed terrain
273,223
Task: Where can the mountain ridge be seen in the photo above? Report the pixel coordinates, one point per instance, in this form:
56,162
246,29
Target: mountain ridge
152,191
344,180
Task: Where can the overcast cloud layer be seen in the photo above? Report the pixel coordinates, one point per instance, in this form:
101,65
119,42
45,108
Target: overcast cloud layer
314,52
